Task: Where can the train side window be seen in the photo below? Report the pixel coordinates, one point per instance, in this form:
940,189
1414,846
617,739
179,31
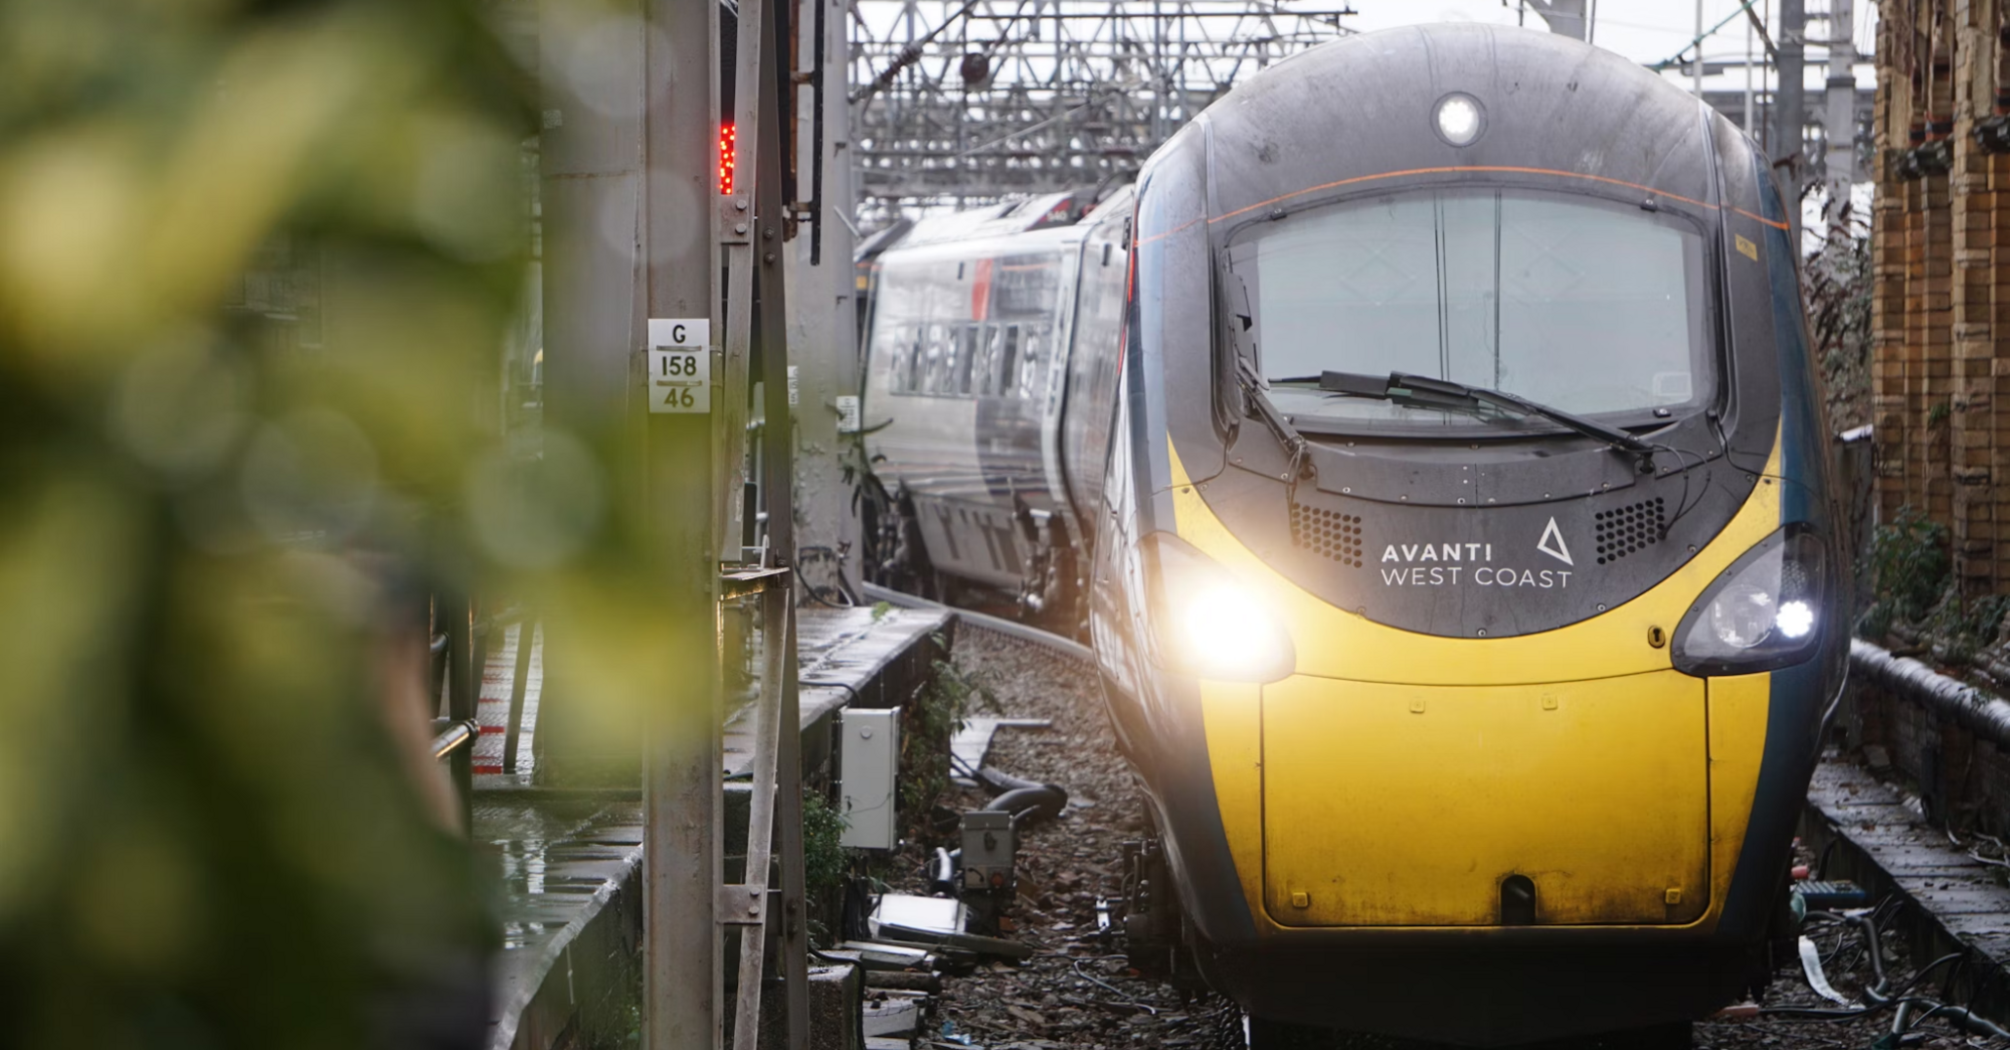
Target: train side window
966,356
984,369
945,375
896,362
908,361
935,350
1029,363
1008,361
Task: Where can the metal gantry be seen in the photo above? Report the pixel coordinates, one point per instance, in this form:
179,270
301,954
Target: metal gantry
967,101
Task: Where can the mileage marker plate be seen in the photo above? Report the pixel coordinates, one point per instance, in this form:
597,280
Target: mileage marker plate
680,365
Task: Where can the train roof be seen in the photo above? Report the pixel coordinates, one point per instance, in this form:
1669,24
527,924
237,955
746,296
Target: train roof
1047,212
1357,111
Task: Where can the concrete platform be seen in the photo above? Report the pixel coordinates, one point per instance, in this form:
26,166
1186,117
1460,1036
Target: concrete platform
572,919
846,658
570,859
1875,839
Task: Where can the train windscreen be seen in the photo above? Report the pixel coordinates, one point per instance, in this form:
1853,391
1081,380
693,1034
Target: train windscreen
1590,306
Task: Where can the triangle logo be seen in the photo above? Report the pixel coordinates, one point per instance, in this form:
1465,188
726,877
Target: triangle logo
1552,543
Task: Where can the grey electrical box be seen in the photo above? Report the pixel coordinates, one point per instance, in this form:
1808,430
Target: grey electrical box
989,848
869,753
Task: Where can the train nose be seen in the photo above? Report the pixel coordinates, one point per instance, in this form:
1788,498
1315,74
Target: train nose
1574,803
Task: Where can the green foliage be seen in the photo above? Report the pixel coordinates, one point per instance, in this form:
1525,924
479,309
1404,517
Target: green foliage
1908,568
926,728
825,861
1836,283
220,510
1963,628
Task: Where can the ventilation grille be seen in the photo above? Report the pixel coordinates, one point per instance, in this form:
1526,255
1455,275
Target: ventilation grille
1623,530
1326,532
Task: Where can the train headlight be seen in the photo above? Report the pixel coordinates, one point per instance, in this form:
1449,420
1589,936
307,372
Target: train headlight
1764,612
1207,623
1459,119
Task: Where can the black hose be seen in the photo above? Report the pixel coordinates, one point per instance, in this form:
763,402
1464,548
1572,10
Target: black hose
1965,1019
1031,803
1822,860
997,783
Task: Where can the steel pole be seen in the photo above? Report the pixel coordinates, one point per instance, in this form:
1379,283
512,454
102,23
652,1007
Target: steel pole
683,844
1791,107
823,311
1699,49
1841,118
1749,130
778,444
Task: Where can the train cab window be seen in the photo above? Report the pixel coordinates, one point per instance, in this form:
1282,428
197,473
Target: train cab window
1591,306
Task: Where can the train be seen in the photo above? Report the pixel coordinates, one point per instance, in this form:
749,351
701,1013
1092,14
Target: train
1430,448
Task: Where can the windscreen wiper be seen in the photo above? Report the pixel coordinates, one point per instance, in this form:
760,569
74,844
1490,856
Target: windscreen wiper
1251,382
1259,405
1424,392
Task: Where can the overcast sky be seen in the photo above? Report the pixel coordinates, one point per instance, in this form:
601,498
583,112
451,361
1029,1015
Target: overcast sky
1643,30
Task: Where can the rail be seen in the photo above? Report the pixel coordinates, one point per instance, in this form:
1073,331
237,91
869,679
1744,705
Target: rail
996,624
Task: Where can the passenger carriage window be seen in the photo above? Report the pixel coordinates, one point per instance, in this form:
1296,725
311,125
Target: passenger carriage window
914,358
901,347
1007,380
1035,342
937,349
1588,305
984,373
967,345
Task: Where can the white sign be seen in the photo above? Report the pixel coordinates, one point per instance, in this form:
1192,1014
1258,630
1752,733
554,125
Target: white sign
847,409
680,365
680,331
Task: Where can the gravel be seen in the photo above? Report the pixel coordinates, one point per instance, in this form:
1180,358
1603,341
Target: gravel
1076,991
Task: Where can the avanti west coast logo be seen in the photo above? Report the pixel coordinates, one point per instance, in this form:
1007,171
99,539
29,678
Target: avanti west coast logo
1472,564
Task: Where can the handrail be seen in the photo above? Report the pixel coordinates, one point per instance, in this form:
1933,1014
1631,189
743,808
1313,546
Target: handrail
1984,715
450,735
977,619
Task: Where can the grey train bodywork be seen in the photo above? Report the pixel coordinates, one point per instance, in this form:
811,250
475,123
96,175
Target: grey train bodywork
989,386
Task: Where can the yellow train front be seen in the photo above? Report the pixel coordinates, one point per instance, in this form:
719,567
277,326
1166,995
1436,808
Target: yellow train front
1466,587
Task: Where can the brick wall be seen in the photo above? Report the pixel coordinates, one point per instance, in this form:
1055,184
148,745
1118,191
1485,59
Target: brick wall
1941,283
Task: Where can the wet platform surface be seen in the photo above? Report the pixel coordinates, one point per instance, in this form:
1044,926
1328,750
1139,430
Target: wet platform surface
570,861
842,655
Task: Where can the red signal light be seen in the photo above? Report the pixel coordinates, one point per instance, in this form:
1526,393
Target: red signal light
725,158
